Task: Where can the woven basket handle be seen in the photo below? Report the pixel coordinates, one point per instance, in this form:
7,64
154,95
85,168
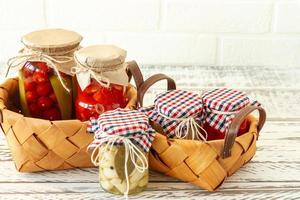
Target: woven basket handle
133,71
151,81
236,123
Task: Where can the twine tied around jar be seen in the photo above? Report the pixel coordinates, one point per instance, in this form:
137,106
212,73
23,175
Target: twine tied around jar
51,60
95,71
190,124
131,151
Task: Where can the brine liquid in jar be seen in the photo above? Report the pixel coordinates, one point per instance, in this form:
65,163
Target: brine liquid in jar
41,93
112,172
96,99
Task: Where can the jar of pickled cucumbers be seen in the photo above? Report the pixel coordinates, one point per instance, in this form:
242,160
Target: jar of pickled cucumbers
45,81
102,80
122,141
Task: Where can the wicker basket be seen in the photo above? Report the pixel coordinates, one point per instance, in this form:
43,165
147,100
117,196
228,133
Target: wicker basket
39,145
205,164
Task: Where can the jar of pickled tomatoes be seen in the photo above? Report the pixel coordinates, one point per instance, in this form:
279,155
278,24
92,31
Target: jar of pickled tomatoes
45,79
102,80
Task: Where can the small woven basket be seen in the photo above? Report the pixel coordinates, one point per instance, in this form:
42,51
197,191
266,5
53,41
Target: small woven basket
38,144
205,164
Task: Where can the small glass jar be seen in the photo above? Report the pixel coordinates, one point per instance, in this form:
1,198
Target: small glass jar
102,80
112,172
96,99
41,93
45,79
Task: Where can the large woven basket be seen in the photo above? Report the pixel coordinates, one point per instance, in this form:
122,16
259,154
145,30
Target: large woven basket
205,164
37,144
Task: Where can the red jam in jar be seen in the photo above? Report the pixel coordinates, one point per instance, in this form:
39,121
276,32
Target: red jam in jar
96,99
41,93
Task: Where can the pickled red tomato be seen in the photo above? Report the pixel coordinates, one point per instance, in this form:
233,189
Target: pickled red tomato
44,102
44,89
31,96
40,77
29,84
52,114
53,97
35,110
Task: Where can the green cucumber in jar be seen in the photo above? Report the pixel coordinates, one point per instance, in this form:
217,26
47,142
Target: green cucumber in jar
64,98
22,93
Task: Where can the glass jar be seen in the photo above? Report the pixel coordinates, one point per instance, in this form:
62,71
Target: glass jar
112,172
96,99
45,79
214,134
102,80
41,93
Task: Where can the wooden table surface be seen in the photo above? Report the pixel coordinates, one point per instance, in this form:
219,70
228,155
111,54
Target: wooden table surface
274,172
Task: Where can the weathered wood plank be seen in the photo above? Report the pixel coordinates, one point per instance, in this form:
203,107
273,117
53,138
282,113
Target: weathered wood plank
290,194
251,172
31,188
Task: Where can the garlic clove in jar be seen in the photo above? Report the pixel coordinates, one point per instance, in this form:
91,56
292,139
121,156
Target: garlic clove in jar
106,185
144,181
133,185
119,184
135,176
110,172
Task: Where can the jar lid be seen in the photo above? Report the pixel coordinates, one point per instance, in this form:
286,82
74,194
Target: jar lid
122,123
101,55
51,38
222,104
172,107
106,62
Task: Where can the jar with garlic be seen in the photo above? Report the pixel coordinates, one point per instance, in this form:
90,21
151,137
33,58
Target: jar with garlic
122,141
112,172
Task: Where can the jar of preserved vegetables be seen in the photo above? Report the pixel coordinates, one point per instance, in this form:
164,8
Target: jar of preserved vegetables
122,141
102,80
45,81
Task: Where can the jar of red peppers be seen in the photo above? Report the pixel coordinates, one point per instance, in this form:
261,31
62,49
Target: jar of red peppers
102,80
45,81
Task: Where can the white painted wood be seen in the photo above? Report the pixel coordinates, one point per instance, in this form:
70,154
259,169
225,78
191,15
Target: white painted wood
165,195
21,188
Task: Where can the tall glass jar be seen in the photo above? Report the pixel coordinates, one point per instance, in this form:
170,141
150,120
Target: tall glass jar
102,80
45,81
112,175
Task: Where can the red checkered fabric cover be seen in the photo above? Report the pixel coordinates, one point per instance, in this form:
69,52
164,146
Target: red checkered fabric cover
127,123
174,104
222,104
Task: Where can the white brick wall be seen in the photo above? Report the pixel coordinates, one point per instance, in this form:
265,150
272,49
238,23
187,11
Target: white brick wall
179,32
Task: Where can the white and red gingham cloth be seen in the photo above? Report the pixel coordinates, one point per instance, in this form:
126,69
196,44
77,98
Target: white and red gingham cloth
171,105
222,104
216,107
127,123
